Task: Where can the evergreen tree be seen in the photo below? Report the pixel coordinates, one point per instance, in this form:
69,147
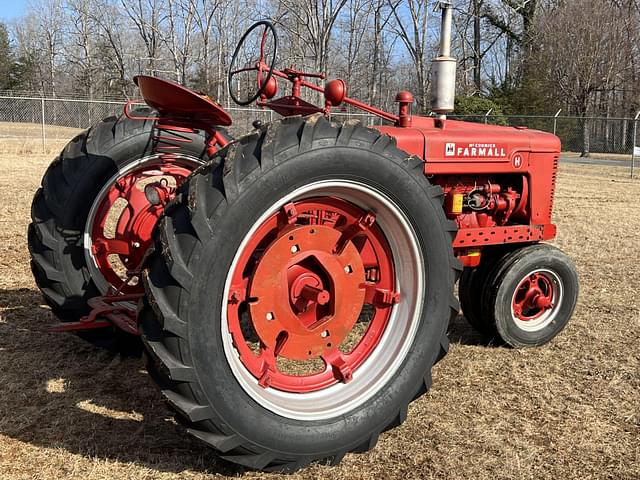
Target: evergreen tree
7,61
24,73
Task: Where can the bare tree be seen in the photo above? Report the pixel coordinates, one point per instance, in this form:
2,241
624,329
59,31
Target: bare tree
314,22
523,31
112,39
353,34
49,20
204,12
27,41
230,20
181,19
380,56
148,16
586,60
82,31
412,30
508,49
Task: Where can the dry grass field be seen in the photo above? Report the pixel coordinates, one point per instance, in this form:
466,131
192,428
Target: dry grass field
568,410
26,138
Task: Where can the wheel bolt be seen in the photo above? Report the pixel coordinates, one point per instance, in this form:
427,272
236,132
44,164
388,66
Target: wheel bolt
269,316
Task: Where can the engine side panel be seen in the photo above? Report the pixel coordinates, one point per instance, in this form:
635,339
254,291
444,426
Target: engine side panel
498,181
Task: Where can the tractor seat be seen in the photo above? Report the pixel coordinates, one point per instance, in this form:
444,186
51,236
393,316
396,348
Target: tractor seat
171,99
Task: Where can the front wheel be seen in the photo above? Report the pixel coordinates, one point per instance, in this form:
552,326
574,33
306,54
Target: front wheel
470,289
302,295
530,295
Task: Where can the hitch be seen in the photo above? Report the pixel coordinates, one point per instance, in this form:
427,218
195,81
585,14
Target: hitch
108,311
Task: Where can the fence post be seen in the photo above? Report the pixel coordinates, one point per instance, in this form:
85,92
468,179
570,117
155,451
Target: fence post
633,142
44,146
555,121
486,116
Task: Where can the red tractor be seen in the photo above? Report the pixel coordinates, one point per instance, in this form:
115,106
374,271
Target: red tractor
293,287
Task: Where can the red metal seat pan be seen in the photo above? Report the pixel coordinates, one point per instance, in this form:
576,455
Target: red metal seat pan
171,98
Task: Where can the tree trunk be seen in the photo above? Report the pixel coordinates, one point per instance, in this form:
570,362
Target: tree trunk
375,61
477,53
586,137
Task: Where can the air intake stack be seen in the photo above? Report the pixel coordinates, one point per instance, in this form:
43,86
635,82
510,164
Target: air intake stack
443,84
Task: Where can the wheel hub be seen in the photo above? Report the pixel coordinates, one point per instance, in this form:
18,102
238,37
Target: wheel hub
533,297
122,219
306,290
309,296
312,291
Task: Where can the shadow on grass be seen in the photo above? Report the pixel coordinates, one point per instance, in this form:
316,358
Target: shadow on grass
461,332
60,392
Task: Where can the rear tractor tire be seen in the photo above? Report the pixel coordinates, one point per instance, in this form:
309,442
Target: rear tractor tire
91,221
300,293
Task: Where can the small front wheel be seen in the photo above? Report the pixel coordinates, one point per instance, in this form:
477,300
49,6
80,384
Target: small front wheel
530,295
470,288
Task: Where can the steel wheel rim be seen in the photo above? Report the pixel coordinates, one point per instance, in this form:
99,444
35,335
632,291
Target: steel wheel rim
96,274
384,360
538,319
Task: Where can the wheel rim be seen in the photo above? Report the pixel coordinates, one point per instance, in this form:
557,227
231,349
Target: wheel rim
306,275
536,300
118,229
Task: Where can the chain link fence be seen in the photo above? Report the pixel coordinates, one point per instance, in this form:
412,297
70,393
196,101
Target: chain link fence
31,124
44,125
602,135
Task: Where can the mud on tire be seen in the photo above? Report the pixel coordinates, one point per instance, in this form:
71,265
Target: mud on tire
285,172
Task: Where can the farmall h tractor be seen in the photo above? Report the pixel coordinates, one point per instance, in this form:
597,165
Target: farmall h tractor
293,287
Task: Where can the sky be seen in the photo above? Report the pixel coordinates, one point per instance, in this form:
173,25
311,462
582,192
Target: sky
10,9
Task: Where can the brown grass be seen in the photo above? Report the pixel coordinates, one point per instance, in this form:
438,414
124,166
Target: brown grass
600,156
20,138
568,410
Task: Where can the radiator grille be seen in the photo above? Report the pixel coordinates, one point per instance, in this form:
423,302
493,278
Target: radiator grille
553,183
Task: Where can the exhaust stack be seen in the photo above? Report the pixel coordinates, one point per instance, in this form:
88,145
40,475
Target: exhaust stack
443,82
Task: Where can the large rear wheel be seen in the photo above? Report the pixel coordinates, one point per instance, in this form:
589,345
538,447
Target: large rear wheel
91,220
300,293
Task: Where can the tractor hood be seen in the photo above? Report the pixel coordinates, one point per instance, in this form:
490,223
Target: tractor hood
469,142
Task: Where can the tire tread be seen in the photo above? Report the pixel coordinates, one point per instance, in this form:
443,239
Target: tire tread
239,167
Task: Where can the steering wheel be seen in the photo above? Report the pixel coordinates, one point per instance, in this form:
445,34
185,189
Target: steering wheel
265,71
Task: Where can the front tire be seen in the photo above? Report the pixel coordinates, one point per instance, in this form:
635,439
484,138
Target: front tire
303,205
470,290
530,295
